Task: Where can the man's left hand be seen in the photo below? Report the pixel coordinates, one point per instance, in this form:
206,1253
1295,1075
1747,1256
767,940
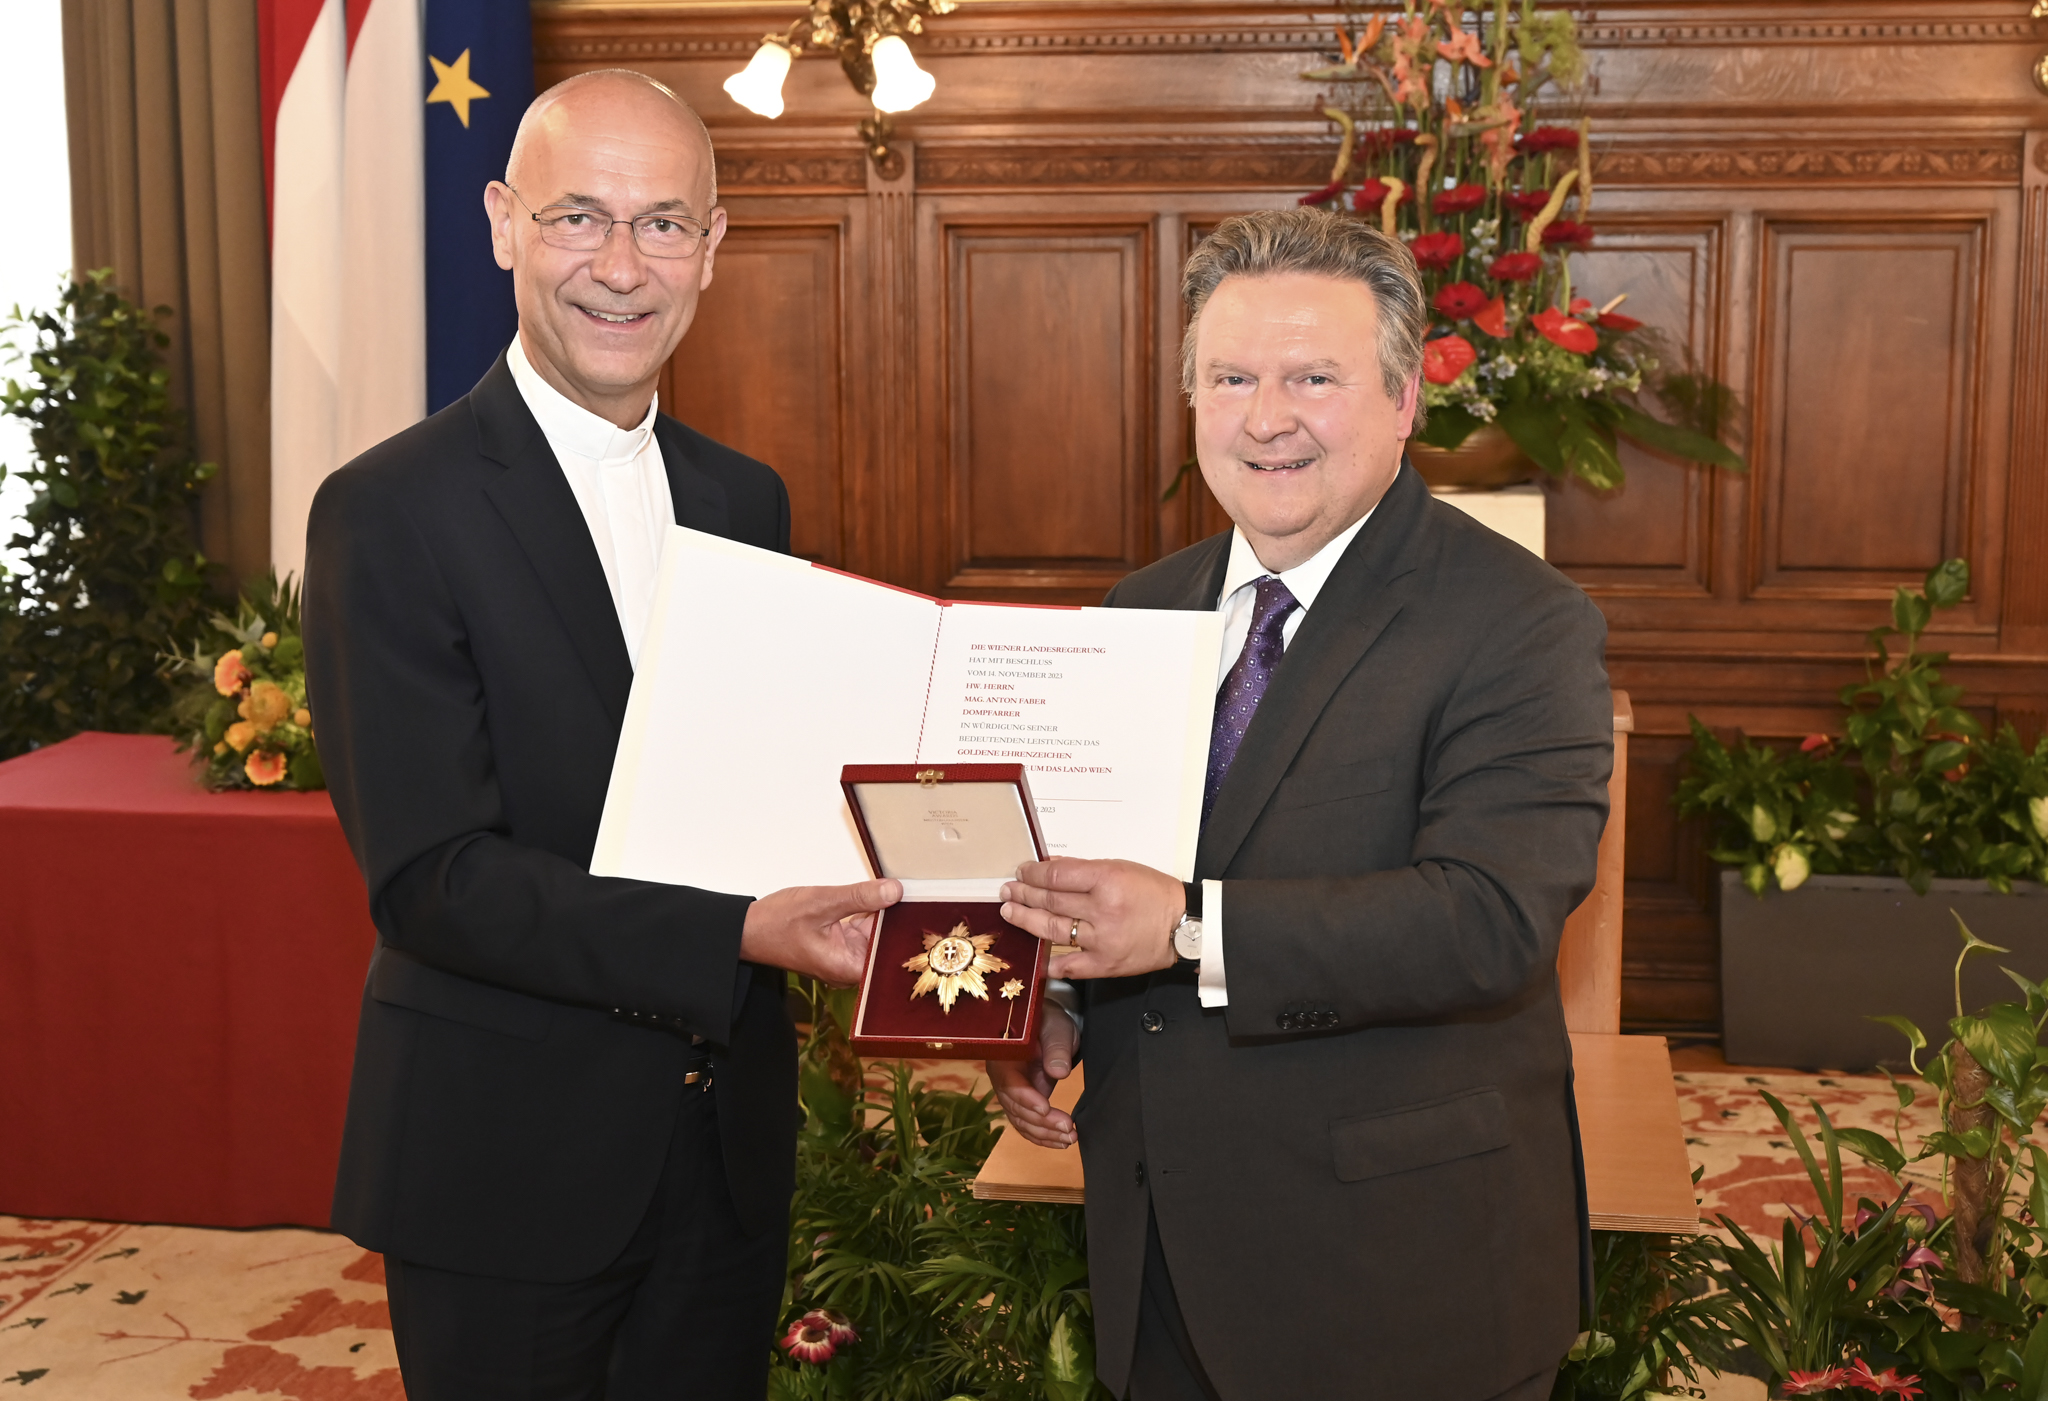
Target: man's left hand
1122,913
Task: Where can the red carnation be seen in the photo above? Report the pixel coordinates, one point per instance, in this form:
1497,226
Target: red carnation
1529,203
1493,318
1564,233
1460,300
1566,331
1330,191
1446,357
1516,267
1550,138
1373,193
1437,250
1615,321
1459,199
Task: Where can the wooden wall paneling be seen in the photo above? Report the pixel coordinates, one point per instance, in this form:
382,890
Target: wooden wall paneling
763,368
2025,622
1864,455
1046,390
1654,535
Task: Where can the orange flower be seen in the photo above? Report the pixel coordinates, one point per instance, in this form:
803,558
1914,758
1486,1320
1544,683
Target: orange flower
240,736
266,706
303,718
229,674
265,767
269,640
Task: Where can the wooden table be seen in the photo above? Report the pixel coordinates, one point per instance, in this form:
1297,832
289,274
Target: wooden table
1637,1175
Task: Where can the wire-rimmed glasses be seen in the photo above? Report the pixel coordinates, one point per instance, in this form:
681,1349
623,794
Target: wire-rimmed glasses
582,230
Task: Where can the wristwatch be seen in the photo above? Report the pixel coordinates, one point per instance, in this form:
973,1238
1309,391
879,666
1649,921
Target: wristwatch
1187,935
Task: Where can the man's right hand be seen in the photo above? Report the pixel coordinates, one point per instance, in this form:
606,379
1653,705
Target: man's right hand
1025,1087
818,931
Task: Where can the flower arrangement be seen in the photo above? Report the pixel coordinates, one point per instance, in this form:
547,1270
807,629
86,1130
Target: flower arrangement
1444,144
1911,787
242,711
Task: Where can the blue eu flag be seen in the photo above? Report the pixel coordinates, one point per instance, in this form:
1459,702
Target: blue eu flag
479,81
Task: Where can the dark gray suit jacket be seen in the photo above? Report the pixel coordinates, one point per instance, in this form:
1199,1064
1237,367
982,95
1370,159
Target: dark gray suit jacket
1365,1168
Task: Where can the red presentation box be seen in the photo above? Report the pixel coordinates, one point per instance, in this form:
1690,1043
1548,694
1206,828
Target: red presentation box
947,975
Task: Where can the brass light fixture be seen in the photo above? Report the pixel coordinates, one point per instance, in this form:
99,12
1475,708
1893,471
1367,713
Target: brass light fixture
869,37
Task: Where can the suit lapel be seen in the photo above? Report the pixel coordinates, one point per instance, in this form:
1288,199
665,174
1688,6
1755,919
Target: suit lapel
1365,592
699,500
534,498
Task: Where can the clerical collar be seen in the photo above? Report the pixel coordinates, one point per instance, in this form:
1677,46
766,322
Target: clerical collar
568,425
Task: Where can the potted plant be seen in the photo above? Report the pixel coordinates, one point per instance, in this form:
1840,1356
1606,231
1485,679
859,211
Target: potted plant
1454,140
1839,852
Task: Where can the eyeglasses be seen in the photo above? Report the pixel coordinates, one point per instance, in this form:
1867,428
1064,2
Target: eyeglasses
583,230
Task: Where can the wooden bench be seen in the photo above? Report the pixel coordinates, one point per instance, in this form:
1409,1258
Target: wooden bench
1637,1175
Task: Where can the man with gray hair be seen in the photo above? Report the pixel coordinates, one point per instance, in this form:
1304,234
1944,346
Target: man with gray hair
572,1126
1328,1128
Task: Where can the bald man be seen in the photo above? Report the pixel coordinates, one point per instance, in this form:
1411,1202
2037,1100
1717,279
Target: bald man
571,1130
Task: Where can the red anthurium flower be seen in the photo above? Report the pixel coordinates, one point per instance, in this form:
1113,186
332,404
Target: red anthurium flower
1516,267
1437,250
1615,321
1566,331
1550,138
810,1338
1385,139
1459,199
1493,318
1328,192
1567,234
1807,746
1373,193
1814,1383
1460,300
1529,203
1446,357
1578,305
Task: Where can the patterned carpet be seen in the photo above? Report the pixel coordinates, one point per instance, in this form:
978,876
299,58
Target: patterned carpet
94,1311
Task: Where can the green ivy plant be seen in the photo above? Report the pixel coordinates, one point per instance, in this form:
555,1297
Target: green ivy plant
1657,1319
1913,787
112,575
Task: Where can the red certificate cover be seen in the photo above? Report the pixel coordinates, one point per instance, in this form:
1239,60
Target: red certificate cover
946,974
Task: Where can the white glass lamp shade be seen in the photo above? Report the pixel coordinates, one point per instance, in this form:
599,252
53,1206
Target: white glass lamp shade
899,83
758,86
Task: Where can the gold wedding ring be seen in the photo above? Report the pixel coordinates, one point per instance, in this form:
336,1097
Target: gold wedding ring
1074,935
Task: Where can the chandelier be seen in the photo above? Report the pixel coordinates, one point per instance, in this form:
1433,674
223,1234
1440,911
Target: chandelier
869,38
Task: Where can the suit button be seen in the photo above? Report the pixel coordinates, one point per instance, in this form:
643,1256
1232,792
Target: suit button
1327,1019
1141,1174
1152,1021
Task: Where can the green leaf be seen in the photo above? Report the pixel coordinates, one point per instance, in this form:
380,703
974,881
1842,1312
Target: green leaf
1873,1147
1674,441
1911,612
1915,1039
1948,583
1535,431
2002,1040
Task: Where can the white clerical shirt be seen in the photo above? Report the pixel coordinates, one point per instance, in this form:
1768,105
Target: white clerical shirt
621,484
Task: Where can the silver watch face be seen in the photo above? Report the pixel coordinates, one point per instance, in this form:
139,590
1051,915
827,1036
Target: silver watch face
1187,939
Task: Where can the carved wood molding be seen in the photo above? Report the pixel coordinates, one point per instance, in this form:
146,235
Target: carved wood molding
790,172
1952,32
1210,166
1972,162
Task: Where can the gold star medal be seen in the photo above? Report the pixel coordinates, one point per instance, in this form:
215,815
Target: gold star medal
954,961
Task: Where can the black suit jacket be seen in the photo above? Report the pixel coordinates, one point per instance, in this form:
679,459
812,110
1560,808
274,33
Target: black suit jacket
468,680
1365,1168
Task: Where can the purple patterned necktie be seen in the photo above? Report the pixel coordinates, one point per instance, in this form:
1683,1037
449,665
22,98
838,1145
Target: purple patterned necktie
1246,683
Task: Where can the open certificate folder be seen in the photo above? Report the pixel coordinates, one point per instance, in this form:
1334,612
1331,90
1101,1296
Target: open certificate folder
762,675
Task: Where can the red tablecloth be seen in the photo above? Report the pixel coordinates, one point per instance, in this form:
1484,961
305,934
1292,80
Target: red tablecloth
179,979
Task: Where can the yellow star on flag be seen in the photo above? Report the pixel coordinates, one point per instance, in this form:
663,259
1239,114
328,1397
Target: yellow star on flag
454,85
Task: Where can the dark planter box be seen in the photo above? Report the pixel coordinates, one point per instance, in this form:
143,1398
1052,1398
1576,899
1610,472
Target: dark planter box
1801,970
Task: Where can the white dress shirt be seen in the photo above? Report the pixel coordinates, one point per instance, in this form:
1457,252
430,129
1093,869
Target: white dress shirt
620,482
1236,604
